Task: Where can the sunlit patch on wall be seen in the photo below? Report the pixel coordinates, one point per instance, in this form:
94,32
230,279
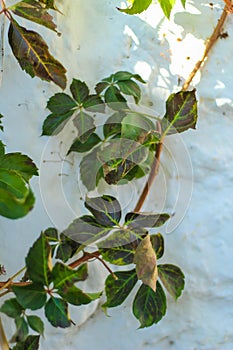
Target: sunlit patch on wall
144,69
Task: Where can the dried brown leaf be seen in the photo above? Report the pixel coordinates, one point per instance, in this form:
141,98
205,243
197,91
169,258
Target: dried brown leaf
146,263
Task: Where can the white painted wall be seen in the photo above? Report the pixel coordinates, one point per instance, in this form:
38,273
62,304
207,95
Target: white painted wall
96,41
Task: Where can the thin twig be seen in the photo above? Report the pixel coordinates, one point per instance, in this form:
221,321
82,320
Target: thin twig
4,285
106,266
209,44
86,256
7,285
4,293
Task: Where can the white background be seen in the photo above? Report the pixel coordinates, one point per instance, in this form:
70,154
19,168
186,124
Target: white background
96,41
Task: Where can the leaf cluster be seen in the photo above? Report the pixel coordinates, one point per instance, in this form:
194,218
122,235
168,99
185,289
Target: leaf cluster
47,286
123,152
16,170
125,147
138,6
28,46
52,286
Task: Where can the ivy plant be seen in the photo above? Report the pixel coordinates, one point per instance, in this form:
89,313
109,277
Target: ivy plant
128,143
127,147
16,170
129,140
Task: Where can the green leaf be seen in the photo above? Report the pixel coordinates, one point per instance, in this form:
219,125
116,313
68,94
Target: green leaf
33,56
114,98
149,306
123,75
125,149
53,124
60,104
56,311
152,139
86,146
79,90
35,12
166,6
85,230
21,330
129,87
146,263
172,278
141,170
136,220
20,163
36,324
119,156
38,261
84,123
31,343
138,6
11,308
93,103
64,251
90,161
183,3
65,276
101,86
116,170
49,4
136,127
51,234
181,112
119,248
67,248
12,208
113,124
157,242
13,182
106,209
135,173
32,296
76,296
119,287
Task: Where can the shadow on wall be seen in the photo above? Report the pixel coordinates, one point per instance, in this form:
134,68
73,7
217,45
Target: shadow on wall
102,41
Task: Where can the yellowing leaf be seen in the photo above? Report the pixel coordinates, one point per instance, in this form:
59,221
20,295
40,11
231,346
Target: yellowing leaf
49,4
33,55
34,11
146,264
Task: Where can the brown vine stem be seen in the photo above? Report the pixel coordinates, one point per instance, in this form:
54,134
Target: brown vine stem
86,256
105,265
209,44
